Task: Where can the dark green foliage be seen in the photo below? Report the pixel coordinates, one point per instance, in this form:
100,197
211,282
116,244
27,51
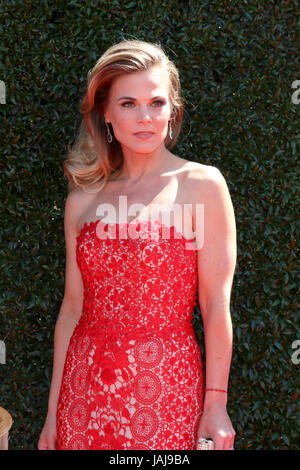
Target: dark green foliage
237,62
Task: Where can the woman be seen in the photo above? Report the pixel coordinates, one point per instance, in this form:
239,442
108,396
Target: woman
127,370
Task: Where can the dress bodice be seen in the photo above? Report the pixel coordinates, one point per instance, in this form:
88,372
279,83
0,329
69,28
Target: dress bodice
140,276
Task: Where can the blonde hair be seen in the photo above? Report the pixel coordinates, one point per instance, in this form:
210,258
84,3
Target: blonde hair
92,160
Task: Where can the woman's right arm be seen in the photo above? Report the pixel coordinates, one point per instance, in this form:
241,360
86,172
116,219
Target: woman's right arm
69,314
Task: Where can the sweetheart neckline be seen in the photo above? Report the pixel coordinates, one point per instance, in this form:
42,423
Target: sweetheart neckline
172,228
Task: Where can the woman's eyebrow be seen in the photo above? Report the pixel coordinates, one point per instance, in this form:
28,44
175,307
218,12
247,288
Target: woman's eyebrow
133,99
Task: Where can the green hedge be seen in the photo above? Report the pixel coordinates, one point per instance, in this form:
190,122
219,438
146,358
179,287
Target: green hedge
237,63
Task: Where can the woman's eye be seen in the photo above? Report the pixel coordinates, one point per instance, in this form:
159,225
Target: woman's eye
159,102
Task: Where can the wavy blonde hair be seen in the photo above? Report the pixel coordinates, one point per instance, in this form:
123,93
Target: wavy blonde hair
92,160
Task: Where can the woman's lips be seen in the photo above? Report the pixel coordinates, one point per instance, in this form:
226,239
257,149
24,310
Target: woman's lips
144,135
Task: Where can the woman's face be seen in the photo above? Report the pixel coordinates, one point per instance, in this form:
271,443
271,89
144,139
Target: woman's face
139,102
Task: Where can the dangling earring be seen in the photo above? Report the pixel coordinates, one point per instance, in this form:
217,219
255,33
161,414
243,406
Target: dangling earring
109,136
171,132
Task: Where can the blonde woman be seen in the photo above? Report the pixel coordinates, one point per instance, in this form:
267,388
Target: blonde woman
144,228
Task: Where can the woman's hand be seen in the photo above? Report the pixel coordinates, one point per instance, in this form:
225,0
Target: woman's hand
215,424
48,437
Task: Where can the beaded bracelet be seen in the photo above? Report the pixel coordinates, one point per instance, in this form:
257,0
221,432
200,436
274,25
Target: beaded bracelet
214,390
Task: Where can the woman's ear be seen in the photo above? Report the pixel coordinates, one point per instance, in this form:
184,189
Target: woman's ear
106,114
106,117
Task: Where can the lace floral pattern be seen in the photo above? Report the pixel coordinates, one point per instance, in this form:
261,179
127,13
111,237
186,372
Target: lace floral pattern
133,375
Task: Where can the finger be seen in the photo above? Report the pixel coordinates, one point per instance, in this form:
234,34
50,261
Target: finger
233,434
228,443
52,443
202,433
42,445
218,442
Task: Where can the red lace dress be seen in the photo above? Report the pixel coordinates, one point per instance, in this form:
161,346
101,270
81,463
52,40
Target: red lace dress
133,376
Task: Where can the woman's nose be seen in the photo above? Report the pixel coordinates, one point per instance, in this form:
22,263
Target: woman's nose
144,115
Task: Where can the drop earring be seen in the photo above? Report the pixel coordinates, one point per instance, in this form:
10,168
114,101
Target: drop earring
109,136
171,132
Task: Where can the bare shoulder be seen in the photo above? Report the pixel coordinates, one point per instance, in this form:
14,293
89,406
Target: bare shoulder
198,172
75,203
205,186
201,180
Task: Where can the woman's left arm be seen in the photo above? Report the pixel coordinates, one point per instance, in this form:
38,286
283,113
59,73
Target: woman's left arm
216,238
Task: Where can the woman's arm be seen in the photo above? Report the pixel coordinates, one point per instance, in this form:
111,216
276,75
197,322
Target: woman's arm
63,331
64,328
216,266
69,314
